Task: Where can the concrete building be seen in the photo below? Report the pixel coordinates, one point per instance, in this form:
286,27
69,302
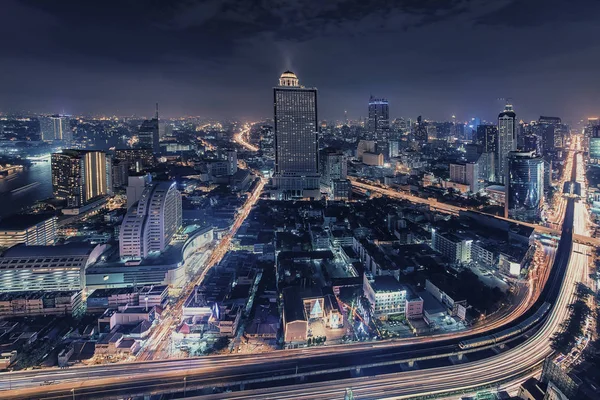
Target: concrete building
34,304
80,176
373,159
386,295
56,127
296,138
507,140
135,187
524,186
452,246
48,268
29,229
378,123
148,134
150,225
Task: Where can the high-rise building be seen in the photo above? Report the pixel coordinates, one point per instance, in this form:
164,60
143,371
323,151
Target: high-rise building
378,123
507,140
56,127
79,176
136,184
296,138
120,173
524,186
333,166
487,138
148,134
149,225
420,132
549,128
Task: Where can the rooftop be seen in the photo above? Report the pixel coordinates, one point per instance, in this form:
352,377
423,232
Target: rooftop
69,249
22,221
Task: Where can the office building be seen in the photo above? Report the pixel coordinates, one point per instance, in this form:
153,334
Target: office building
79,176
296,138
150,224
56,127
365,146
453,246
333,168
386,295
136,184
137,159
29,229
524,186
148,135
420,132
333,165
549,131
378,124
467,173
48,268
120,173
507,140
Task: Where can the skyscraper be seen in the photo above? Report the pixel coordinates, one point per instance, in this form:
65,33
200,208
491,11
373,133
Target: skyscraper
548,129
150,224
507,140
378,123
79,176
296,138
56,127
148,134
524,186
420,132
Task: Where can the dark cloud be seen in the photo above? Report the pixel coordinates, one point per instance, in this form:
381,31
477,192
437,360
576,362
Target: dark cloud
430,57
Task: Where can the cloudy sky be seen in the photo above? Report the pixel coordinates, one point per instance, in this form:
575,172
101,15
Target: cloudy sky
221,58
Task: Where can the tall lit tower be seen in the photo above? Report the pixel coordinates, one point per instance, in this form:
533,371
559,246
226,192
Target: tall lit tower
79,176
296,138
507,140
378,123
148,134
524,186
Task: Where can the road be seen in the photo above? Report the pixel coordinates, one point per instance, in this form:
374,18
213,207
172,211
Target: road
157,346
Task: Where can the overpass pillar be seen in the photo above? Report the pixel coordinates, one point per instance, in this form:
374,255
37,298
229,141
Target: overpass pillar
411,364
460,356
242,386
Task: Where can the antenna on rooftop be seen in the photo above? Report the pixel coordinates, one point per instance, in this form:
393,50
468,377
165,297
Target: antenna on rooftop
156,110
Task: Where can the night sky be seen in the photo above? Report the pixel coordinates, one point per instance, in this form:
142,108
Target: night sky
221,58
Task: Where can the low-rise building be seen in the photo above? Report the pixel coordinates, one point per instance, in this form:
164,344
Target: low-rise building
29,229
30,304
386,295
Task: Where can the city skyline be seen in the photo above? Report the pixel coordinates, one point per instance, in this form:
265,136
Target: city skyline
164,57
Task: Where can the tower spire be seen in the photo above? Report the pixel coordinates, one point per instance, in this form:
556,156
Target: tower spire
156,110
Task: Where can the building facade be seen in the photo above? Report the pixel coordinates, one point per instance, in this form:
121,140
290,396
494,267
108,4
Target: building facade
29,229
378,124
296,138
524,186
150,224
507,140
79,176
47,268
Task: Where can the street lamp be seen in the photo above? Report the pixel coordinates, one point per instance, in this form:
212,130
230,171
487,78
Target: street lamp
73,391
184,385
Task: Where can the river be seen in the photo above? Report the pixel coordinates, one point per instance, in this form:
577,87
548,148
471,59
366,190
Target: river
39,179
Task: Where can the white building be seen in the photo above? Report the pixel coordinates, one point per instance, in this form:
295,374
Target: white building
29,229
48,268
150,225
386,295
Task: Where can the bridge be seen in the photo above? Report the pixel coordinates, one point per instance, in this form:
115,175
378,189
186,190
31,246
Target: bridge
435,205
